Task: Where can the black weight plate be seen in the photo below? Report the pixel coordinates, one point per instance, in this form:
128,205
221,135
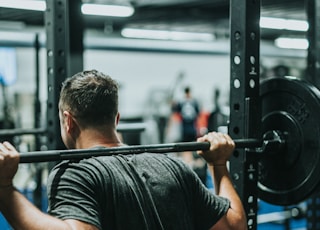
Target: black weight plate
291,106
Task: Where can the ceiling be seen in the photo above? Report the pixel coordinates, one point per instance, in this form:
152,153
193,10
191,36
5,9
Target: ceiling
183,15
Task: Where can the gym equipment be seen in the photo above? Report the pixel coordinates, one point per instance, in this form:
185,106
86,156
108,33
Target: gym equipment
292,106
73,154
293,212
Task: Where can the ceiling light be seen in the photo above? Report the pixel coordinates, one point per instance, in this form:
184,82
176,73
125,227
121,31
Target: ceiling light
283,24
24,5
91,9
292,43
107,10
166,35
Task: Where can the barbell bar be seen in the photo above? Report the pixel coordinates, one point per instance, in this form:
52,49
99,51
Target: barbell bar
76,154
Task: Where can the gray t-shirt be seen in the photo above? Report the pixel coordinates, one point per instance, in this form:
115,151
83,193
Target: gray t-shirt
142,191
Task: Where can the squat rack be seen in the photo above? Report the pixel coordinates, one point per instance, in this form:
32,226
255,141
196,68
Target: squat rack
64,27
245,115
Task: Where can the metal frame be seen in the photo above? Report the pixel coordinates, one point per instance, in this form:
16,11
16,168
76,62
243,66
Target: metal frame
245,106
313,14
57,56
63,23
37,193
245,114
37,103
59,23
76,30
313,71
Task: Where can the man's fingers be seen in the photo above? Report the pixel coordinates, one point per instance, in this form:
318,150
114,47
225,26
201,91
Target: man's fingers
9,146
7,149
3,149
229,140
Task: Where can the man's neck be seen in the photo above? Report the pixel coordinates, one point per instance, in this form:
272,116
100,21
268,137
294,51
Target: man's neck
92,138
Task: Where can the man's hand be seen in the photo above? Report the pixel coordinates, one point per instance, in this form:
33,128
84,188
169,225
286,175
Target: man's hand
221,148
9,161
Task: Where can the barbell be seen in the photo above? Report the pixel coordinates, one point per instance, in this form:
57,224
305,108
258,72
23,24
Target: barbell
289,152
76,154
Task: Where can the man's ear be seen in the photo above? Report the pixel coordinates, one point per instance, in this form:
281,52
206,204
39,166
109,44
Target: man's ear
117,118
69,121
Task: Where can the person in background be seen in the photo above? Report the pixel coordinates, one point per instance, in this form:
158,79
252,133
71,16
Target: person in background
188,111
188,108
136,191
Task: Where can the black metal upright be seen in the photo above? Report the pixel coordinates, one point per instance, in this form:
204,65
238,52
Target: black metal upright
313,71
57,60
37,193
64,26
76,31
37,103
245,105
313,35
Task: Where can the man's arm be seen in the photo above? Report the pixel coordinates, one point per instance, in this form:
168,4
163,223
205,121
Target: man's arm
235,217
18,211
221,148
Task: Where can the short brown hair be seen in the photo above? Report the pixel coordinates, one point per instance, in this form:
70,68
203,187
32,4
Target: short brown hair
91,97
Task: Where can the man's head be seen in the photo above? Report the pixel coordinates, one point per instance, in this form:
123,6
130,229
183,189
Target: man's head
90,99
187,91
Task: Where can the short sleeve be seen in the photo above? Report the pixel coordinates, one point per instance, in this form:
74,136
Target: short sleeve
71,194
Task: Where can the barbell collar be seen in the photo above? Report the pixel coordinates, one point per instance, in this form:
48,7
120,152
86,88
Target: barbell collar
274,142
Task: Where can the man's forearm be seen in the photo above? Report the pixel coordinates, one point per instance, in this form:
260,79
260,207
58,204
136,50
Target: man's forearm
224,187
22,214
222,181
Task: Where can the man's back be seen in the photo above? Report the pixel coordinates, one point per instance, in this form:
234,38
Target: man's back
144,191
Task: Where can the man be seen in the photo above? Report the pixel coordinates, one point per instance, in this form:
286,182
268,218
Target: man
142,191
189,110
